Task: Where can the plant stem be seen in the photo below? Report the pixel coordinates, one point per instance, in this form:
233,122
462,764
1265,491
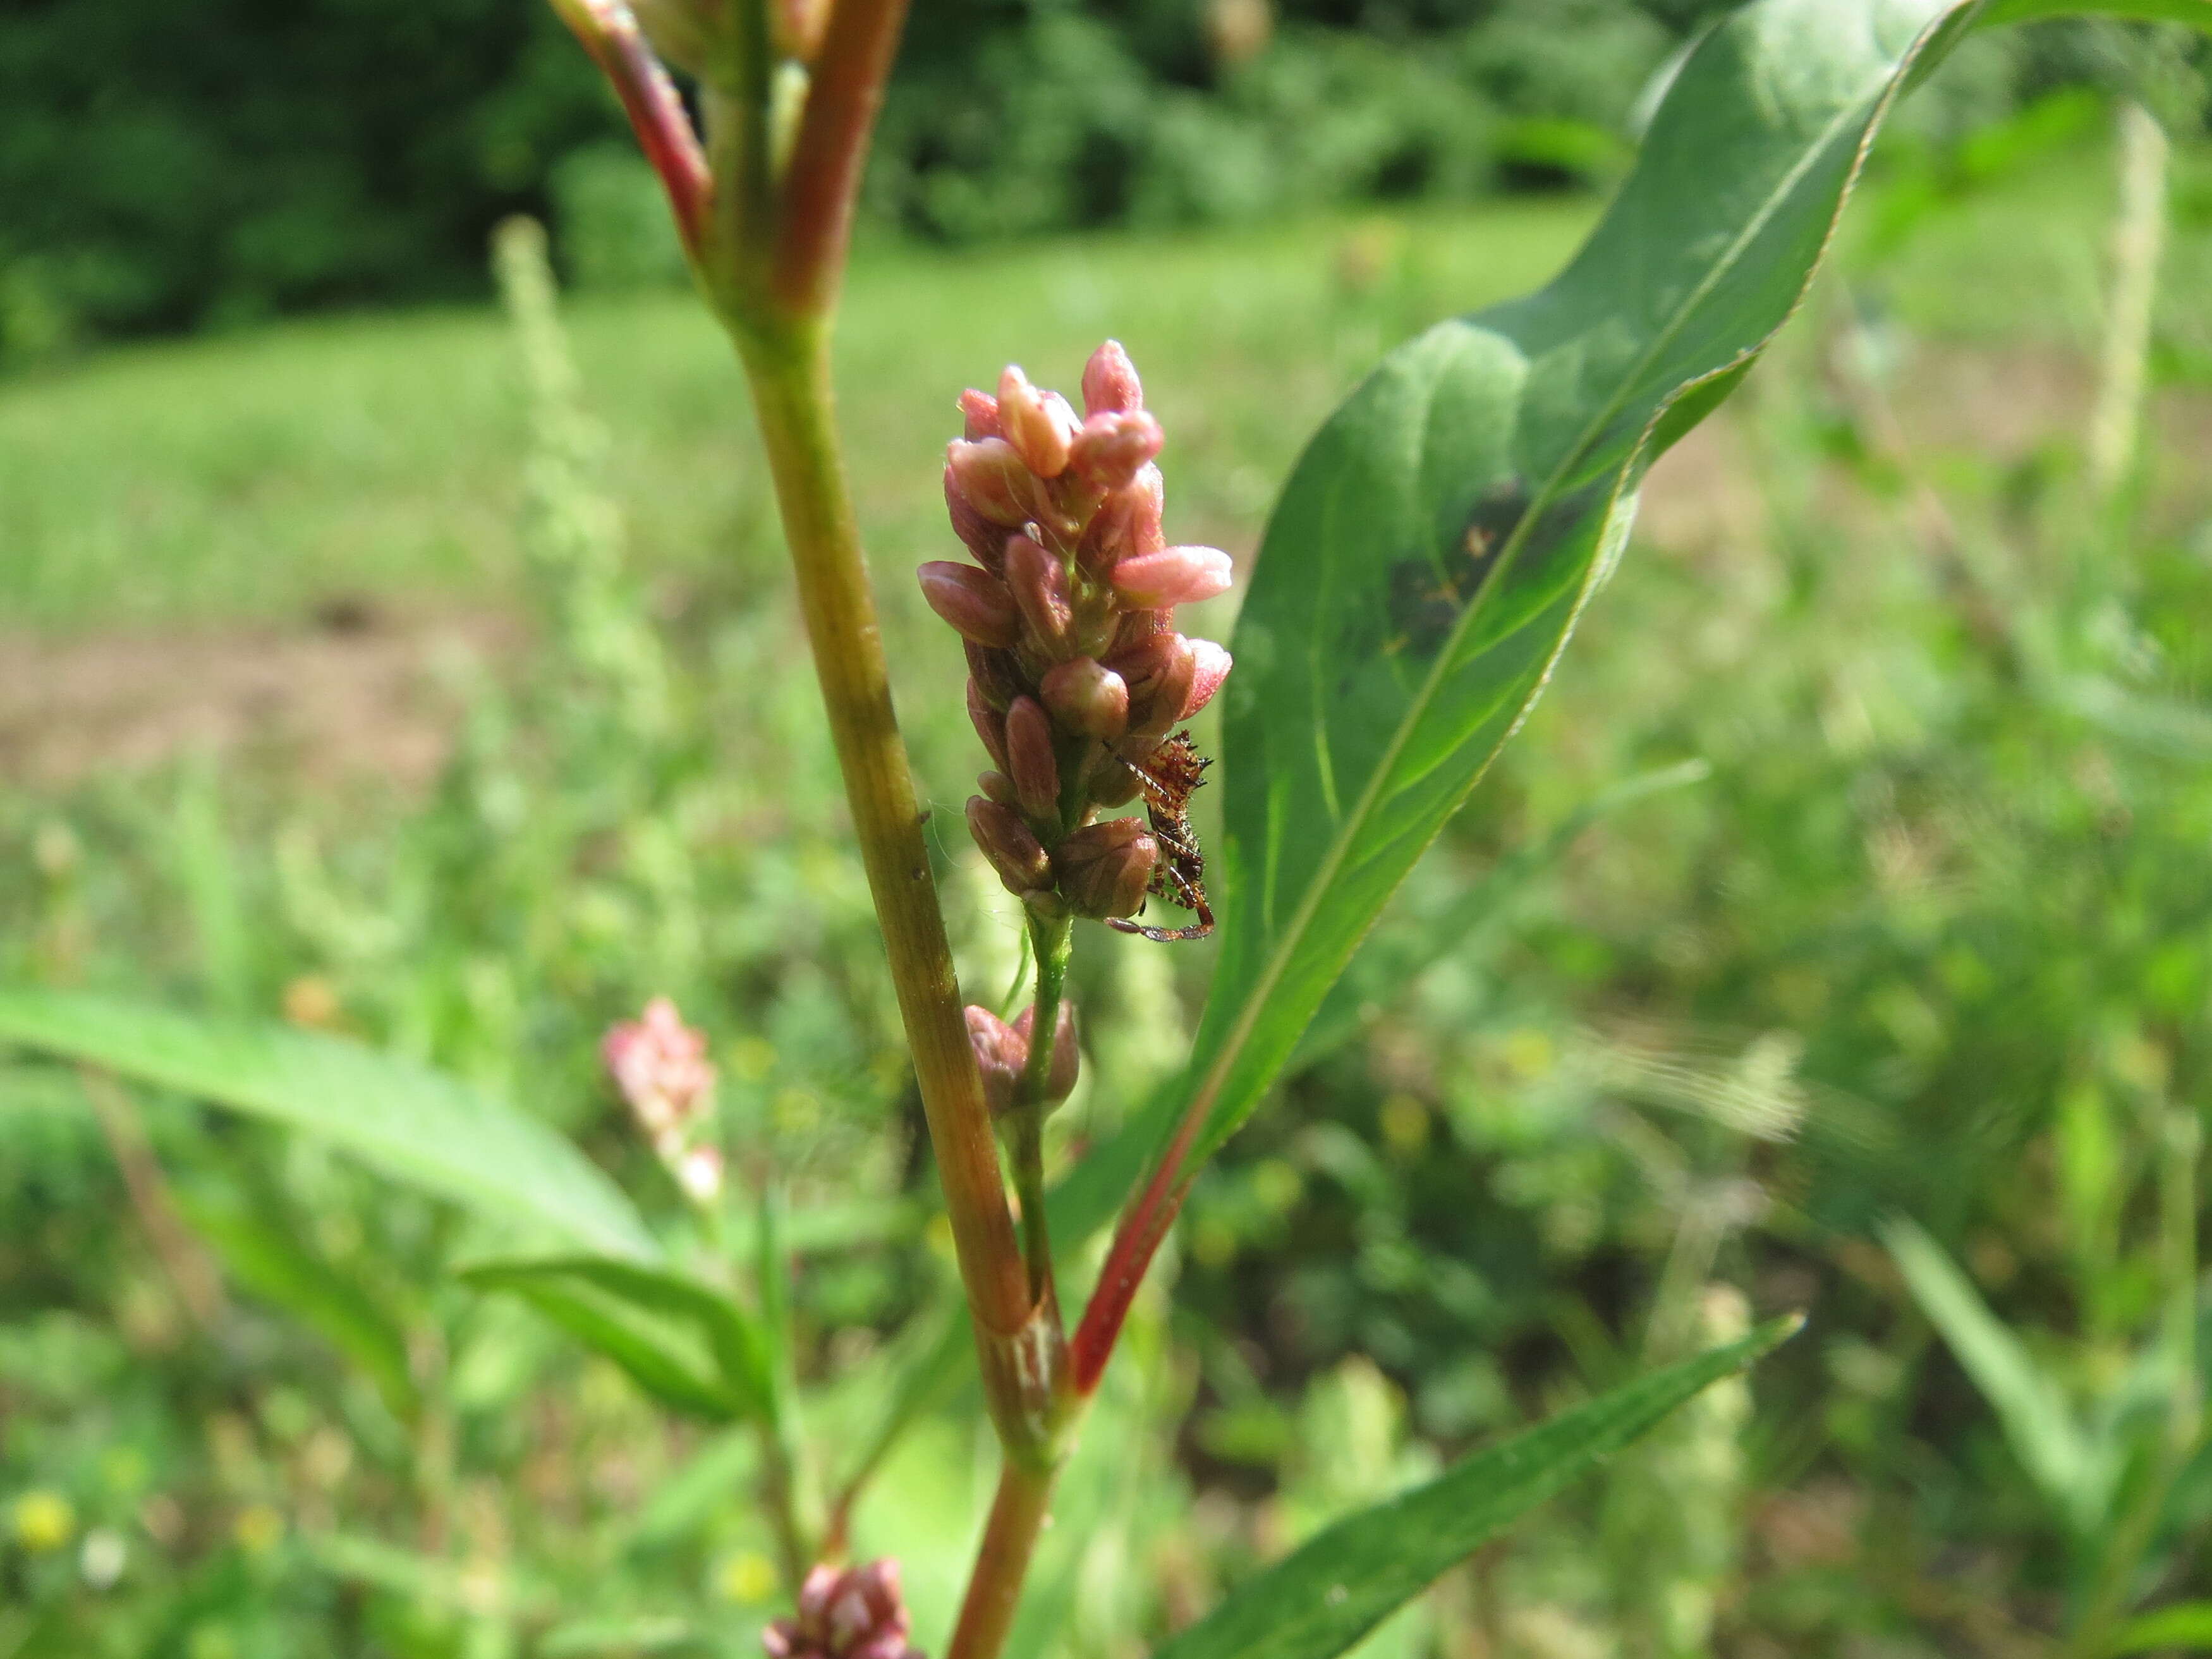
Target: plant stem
1051,942
1018,1514
787,358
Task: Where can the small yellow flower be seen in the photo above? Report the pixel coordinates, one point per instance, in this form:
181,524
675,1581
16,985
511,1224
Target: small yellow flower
43,1521
747,1578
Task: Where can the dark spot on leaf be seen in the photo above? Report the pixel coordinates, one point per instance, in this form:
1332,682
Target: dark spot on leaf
1425,601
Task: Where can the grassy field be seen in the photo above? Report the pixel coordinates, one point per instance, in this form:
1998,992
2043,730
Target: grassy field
1854,866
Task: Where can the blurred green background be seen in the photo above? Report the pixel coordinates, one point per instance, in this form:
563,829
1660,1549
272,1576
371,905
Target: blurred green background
1856,865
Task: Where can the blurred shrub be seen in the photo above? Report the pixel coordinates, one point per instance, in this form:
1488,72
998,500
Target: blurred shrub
165,169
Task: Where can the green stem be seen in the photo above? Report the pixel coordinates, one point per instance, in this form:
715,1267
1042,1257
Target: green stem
1051,945
782,1448
787,359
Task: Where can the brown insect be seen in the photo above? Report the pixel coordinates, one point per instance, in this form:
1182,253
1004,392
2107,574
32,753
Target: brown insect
1169,777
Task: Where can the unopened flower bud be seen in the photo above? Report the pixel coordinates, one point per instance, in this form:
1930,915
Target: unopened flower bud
1173,577
986,540
1001,1054
1039,583
987,724
974,601
998,786
1127,524
979,416
991,474
1087,697
1110,381
1066,1057
1105,867
1030,758
1114,447
1158,694
1211,666
1112,783
1039,424
1014,852
993,673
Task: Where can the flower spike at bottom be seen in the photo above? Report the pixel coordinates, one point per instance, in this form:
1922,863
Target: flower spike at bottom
857,1614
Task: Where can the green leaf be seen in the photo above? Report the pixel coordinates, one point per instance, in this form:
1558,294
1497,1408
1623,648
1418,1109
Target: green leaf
1441,533
687,1346
2041,1430
273,1261
1334,1589
411,1123
2187,1624
2196,13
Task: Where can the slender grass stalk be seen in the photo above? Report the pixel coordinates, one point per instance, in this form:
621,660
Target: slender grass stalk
2138,245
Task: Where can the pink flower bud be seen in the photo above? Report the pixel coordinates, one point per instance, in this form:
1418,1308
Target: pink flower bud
1014,852
1114,447
1110,381
986,540
1001,1053
1139,628
1066,1060
1029,759
979,414
1176,576
816,1592
1039,582
879,1582
991,474
1160,679
1087,697
1112,783
1039,424
1212,666
995,672
998,786
974,601
1105,867
1127,524
985,718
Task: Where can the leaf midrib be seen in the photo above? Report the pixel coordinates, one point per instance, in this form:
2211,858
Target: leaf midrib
1277,959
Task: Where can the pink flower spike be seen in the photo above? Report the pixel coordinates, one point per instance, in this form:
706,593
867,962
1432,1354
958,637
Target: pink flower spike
1110,381
1177,575
1213,665
660,1065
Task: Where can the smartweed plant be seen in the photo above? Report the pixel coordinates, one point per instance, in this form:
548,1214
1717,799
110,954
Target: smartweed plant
1423,567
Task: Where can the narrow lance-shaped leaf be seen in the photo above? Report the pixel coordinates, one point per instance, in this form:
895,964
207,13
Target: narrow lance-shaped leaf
2044,1436
1440,536
688,1345
410,1122
1326,1594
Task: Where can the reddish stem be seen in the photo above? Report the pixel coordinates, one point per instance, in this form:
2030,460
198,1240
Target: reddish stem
824,180
1136,1241
649,98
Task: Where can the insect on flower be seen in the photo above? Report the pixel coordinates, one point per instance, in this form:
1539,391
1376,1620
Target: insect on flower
1169,777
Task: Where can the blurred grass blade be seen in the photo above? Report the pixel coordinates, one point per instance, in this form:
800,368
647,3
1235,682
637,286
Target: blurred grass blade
2196,13
273,1260
2186,1626
408,1121
2042,1431
1330,1592
686,1343
1440,536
